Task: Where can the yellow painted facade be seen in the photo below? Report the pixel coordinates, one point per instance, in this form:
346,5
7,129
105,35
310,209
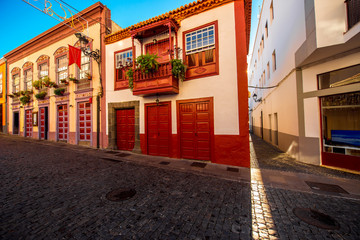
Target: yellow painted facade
2,94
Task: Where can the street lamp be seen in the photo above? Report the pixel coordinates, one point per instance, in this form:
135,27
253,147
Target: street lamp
255,98
83,42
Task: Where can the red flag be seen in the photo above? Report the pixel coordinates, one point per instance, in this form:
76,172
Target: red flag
74,56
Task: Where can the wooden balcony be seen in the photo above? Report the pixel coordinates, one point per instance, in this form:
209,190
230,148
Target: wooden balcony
158,82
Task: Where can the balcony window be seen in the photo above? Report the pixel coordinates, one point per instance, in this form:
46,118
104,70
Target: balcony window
61,68
353,13
201,50
85,66
28,77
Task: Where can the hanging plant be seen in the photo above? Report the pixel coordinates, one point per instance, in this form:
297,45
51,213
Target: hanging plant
64,81
25,99
37,84
147,63
88,76
16,94
130,74
178,69
40,95
59,91
47,82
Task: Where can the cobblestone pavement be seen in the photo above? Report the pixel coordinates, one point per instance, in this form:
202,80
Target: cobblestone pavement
266,156
57,191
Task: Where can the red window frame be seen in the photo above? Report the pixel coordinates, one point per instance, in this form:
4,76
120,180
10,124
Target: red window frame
197,71
123,82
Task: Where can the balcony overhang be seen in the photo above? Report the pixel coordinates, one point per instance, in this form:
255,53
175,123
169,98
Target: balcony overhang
154,29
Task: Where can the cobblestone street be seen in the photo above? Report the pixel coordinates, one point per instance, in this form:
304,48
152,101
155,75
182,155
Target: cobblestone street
57,191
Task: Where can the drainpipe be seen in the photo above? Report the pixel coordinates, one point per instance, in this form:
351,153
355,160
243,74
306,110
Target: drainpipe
5,130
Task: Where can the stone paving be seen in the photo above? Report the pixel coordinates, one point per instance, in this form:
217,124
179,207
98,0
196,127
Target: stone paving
57,191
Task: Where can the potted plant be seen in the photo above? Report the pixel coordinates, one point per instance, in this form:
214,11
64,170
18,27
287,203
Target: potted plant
147,63
74,80
37,84
40,95
59,91
178,69
46,81
16,94
64,81
25,99
88,76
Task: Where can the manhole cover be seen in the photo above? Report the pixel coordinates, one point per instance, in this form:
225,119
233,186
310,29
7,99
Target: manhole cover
231,169
164,163
198,164
122,154
326,187
315,218
120,194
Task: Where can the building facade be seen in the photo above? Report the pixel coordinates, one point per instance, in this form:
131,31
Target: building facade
3,96
304,80
50,100
203,117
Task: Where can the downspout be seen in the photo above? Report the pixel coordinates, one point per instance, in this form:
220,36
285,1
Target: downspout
5,130
100,94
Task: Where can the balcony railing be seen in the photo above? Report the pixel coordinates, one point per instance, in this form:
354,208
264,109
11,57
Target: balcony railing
353,13
156,82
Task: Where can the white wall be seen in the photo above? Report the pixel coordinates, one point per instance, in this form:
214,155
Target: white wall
222,87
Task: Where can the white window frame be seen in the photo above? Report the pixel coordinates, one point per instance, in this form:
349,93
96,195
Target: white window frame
200,40
123,58
61,71
28,79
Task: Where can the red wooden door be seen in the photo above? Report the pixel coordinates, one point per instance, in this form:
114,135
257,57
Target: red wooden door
42,123
28,123
158,129
161,48
195,130
125,129
63,127
84,113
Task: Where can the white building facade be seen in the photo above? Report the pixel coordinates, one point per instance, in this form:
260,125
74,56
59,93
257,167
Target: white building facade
203,117
304,72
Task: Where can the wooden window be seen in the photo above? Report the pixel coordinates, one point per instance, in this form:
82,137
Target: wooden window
16,83
61,68
123,61
85,67
28,77
43,70
274,60
271,11
201,51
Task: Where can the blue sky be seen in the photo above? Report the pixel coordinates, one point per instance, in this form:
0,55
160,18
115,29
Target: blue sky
21,22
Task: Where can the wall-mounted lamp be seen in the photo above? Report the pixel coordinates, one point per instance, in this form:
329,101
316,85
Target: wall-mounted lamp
255,98
157,100
154,41
83,42
70,105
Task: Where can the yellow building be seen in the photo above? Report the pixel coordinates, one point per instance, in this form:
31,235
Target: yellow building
50,100
2,95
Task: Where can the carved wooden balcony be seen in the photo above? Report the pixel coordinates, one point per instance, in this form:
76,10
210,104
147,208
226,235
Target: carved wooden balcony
158,82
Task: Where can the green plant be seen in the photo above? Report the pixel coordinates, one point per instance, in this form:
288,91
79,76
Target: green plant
59,91
16,94
46,81
37,84
178,69
88,75
147,63
73,79
40,95
26,92
25,99
130,74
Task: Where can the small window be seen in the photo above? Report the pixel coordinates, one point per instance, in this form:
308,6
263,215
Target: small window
16,83
28,77
200,40
266,30
123,59
61,68
85,66
271,12
268,70
274,61
43,70
353,13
